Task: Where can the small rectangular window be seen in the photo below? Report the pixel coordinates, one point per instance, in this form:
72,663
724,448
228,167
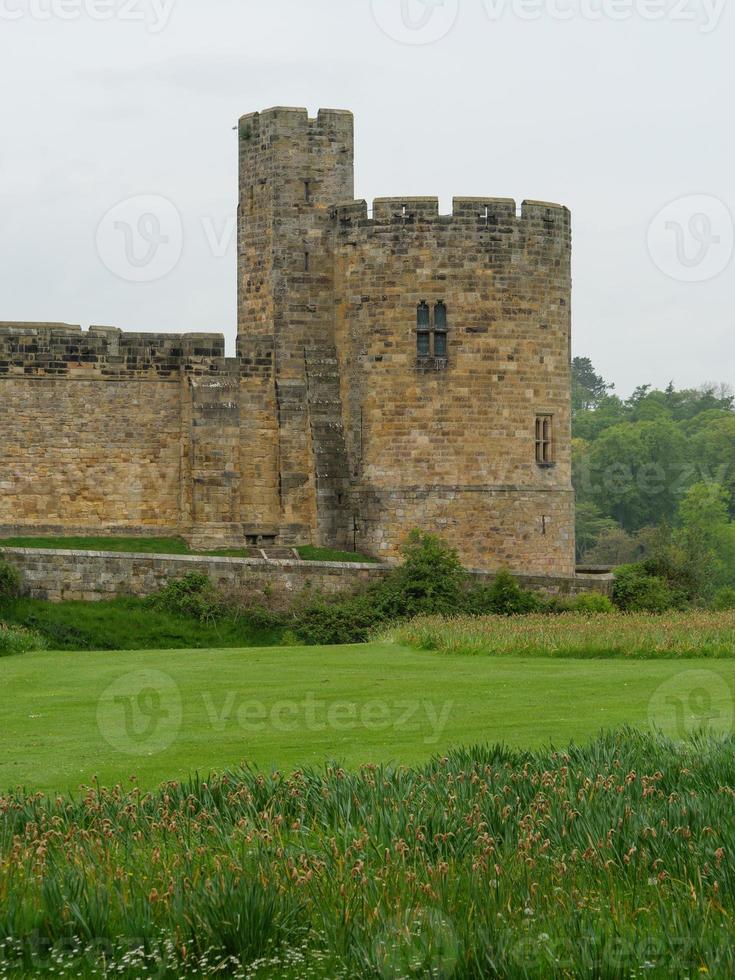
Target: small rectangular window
423,330
544,440
440,330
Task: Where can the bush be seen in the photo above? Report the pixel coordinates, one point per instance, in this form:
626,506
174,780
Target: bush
636,590
504,597
724,600
592,602
193,596
349,621
15,639
9,581
431,580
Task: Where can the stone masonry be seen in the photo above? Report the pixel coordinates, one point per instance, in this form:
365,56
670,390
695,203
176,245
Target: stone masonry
393,368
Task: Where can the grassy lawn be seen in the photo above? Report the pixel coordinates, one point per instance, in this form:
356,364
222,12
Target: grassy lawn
164,546
130,624
68,717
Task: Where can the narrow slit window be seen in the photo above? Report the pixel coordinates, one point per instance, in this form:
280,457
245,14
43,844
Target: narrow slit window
307,261
440,330
307,190
423,330
544,440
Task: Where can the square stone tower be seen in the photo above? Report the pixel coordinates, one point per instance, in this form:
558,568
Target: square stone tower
293,170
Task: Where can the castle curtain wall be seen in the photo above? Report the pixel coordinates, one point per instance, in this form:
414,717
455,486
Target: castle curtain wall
96,430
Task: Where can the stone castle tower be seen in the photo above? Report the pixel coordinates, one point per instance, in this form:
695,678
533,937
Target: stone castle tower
394,369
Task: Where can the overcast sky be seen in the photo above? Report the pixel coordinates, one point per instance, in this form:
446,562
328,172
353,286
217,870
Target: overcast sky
620,109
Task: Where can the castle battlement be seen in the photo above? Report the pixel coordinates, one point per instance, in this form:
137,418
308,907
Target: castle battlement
294,121
481,213
54,349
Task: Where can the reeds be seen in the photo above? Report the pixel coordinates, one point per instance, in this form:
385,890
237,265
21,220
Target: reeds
611,860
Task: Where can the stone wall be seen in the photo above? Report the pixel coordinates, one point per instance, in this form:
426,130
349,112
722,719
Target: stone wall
103,431
68,575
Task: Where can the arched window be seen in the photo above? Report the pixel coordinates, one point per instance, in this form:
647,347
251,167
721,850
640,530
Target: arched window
423,330
440,329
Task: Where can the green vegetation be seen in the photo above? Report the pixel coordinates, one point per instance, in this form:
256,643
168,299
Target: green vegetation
163,546
143,546
9,581
68,717
613,860
132,624
695,634
636,459
16,639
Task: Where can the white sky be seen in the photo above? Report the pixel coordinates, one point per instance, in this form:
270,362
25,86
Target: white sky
608,111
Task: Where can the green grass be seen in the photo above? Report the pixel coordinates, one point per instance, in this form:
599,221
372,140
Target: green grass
163,546
147,546
610,861
129,624
699,634
64,714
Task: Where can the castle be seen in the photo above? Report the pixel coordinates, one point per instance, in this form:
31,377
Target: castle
395,369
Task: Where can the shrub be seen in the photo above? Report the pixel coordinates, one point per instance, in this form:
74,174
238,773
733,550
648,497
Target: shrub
351,620
504,597
592,602
9,581
193,596
431,580
724,600
636,590
15,639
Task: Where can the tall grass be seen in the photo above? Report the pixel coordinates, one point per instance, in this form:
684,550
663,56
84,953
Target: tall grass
633,635
613,860
16,639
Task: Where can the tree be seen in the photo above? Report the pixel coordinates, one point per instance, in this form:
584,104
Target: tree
588,387
636,471
592,524
706,538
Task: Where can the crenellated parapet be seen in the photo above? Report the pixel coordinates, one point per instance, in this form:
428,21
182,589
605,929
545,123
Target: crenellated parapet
483,215
63,350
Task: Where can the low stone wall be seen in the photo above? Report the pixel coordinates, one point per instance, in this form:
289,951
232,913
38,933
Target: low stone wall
95,575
